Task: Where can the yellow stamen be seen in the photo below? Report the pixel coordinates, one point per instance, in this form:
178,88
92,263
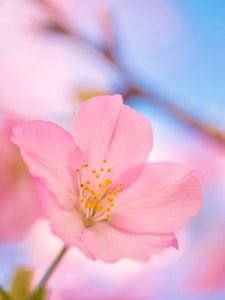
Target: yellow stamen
105,185
109,192
81,185
120,184
88,182
105,161
77,170
109,170
102,169
108,216
94,171
97,176
82,200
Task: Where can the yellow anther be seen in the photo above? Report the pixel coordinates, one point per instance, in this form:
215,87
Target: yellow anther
120,184
102,206
85,196
104,187
81,185
93,192
97,176
94,171
77,170
99,209
110,199
86,165
109,170
108,181
114,193
108,209
83,166
109,192
86,205
112,204
88,182
82,200
87,188
108,216
102,169
105,161
98,201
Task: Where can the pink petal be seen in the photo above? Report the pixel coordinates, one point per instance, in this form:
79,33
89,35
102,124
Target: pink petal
66,224
163,199
94,125
51,155
106,243
105,128
130,146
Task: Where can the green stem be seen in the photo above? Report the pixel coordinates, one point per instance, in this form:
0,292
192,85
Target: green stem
51,269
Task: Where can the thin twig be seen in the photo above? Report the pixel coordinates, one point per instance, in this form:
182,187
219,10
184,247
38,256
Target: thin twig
57,23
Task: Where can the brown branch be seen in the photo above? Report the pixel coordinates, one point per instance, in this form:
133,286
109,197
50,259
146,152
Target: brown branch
58,24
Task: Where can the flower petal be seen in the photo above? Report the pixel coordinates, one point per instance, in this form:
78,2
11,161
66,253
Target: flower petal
51,155
130,146
163,199
104,128
93,126
106,243
66,224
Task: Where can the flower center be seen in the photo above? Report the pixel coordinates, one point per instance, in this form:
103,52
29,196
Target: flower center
96,199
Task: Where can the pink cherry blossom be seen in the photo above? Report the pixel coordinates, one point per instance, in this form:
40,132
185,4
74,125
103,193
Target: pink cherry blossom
104,197
19,203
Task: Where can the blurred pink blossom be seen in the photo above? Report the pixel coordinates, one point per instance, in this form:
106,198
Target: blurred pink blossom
19,202
92,174
209,260
41,72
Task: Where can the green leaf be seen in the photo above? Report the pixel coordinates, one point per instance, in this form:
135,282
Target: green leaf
4,295
21,284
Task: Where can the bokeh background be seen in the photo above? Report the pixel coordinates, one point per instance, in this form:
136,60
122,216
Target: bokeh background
167,59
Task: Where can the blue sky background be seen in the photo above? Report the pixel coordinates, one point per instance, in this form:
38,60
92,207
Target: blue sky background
189,70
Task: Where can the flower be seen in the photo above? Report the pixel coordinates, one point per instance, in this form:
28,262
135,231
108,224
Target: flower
19,202
104,197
